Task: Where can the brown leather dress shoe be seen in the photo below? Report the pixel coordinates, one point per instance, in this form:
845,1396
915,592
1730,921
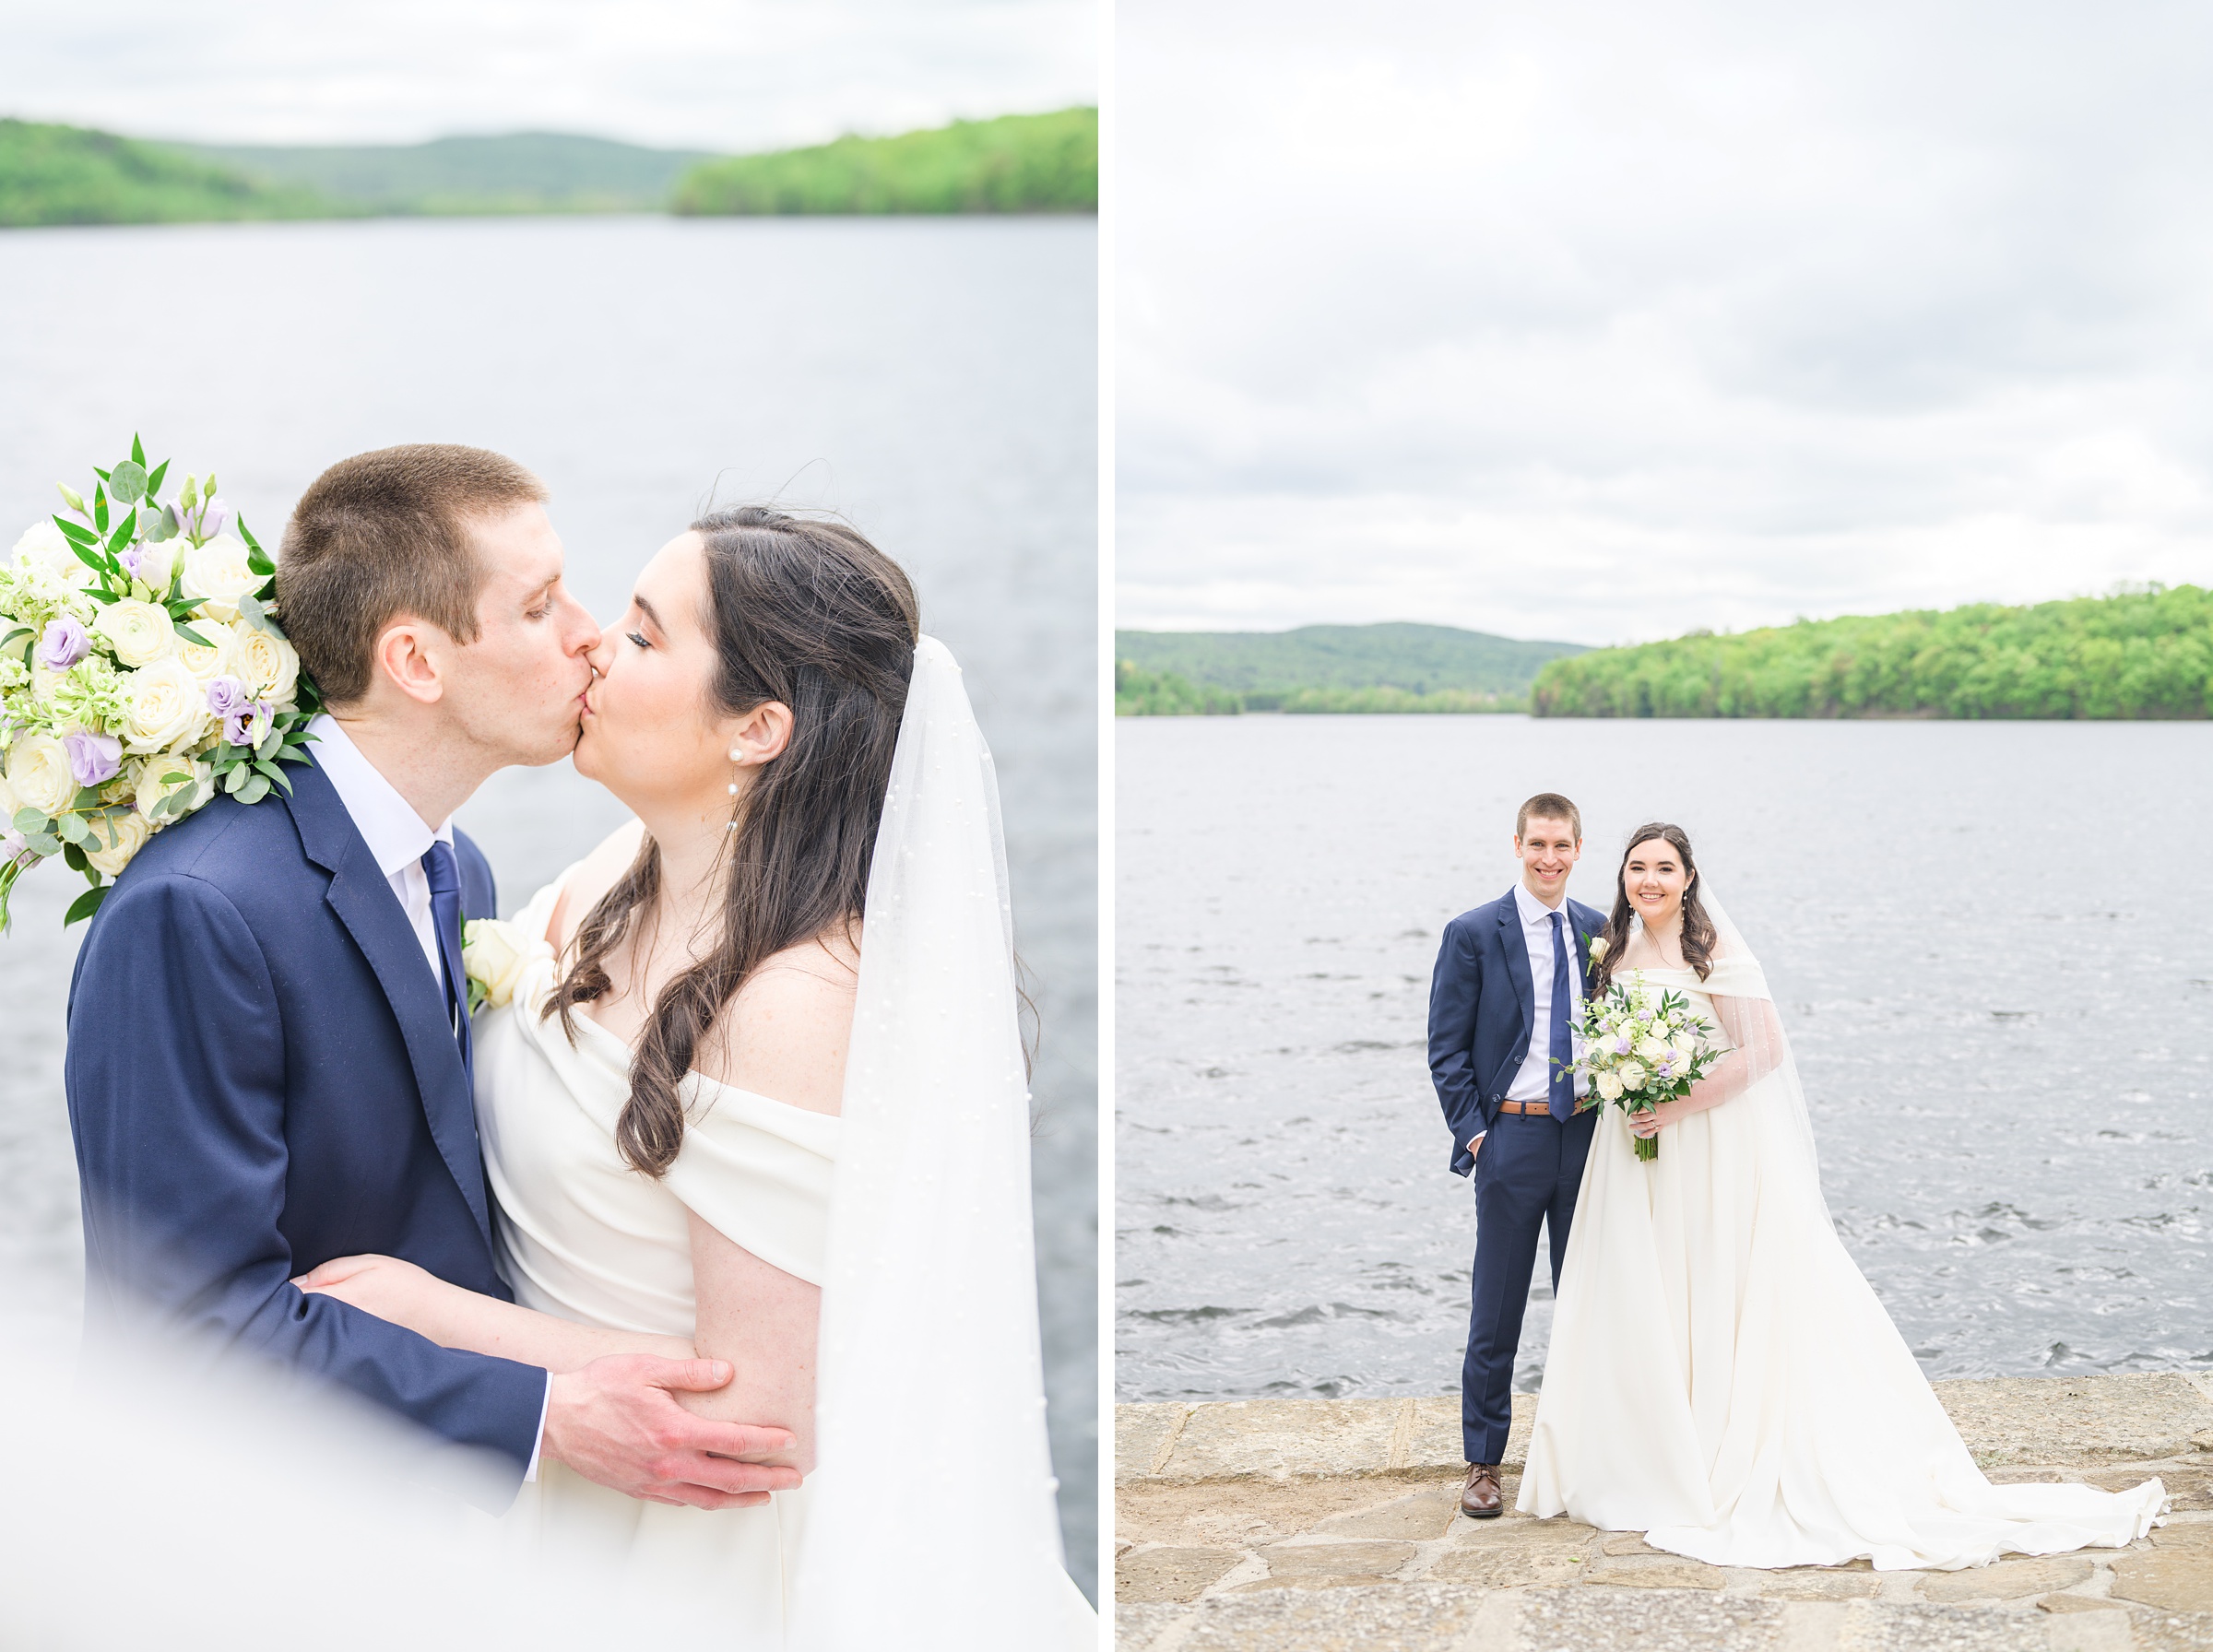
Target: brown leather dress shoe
1480,1498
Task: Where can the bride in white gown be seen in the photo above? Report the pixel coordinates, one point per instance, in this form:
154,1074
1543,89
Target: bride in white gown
1721,1375
717,1124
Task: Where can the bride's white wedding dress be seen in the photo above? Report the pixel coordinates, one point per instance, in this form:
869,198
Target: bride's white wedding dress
930,1522
1722,1377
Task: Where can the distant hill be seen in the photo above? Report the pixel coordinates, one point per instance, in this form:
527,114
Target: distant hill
1017,164
1344,668
52,174
520,172
2133,654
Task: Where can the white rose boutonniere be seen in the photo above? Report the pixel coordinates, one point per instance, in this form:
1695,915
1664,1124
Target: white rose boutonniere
493,956
1598,947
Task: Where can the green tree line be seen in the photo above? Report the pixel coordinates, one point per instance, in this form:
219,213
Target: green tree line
70,176
2143,653
1142,693
53,174
1017,164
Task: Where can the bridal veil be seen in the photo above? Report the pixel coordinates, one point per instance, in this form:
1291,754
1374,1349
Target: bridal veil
932,1522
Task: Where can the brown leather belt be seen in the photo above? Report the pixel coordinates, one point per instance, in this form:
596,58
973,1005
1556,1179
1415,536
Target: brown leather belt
1538,1109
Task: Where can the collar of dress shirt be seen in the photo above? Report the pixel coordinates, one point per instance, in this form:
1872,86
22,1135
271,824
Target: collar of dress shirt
388,822
1534,913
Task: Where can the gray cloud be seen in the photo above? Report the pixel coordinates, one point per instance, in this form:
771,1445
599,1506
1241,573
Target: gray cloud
1606,321
711,73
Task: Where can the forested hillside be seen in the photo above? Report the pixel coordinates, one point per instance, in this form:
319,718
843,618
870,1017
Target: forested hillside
2135,654
1017,164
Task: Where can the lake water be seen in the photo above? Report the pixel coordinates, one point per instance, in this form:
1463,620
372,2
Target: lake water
1991,945
933,381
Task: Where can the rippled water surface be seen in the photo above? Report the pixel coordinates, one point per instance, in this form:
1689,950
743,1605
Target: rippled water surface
933,381
1991,945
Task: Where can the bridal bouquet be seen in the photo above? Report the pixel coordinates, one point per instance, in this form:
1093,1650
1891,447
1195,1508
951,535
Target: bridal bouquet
142,671
1639,1048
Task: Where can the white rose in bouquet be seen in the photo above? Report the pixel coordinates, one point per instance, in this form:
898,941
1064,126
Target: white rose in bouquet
158,777
216,657
269,663
139,633
1652,1049
1609,1086
492,955
45,549
1632,1075
218,574
38,773
167,707
115,840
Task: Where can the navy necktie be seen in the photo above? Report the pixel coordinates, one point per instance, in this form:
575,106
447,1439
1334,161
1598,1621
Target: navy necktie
445,873
1560,1097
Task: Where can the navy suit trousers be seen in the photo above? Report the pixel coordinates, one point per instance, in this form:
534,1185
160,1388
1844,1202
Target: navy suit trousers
1526,1177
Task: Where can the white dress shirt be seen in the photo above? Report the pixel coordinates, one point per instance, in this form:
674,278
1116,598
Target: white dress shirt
1532,1080
397,840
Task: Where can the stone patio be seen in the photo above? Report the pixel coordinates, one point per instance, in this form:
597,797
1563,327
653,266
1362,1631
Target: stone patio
1315,1525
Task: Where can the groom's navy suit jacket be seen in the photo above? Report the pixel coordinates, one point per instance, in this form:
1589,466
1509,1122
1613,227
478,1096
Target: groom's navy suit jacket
262,1077
1482,1009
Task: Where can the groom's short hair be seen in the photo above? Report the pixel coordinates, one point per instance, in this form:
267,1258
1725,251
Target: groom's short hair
384,534
1549,806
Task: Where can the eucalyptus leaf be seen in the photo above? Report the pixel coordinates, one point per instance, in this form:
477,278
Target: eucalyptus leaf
29,821
128,482
85,904
164,528
255,790
72,827
88,797
41,843
254,614
269,743
234,780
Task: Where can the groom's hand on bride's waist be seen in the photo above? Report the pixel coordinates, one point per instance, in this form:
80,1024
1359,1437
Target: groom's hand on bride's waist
617,1421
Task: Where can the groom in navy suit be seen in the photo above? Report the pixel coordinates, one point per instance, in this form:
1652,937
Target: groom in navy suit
1509,978
269,1060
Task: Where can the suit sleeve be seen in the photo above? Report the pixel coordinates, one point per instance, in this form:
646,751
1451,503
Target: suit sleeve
1453,994
176,1081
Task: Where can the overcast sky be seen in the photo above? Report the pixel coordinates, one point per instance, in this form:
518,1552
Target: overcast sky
1607,321
729,74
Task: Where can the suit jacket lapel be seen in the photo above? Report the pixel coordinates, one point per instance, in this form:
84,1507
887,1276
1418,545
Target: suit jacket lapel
1517,963
361,897
1583,947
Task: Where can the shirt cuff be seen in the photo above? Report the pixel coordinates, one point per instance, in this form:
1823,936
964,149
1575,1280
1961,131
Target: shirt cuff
544,1407
1474,1138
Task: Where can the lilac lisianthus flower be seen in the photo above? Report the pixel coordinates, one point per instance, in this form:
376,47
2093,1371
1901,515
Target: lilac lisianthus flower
226,696
63,644
209,518
94,758
249,724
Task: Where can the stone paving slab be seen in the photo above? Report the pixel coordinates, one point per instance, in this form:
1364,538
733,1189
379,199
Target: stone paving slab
1308,1525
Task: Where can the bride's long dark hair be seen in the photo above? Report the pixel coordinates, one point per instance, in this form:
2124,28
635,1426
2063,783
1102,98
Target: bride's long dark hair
1700,937
811,614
